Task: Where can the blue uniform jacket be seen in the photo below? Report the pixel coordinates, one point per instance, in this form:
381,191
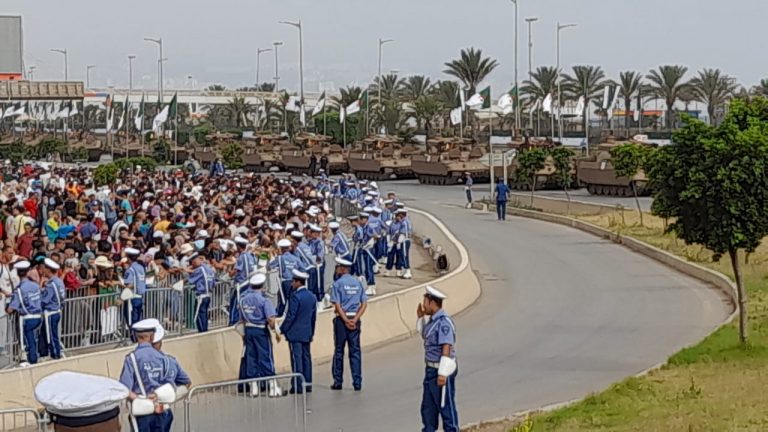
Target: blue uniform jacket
137,278
26,298
203,278
285,264
53,294
299,323
340,244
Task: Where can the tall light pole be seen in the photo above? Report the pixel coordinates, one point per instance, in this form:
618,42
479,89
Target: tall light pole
382,42
131,58
31,73
301,57
517,88
530,22
160,61
259,51
66,61
88,75
277,62
560,27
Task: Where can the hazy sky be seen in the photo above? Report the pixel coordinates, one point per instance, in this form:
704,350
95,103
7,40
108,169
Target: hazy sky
216,41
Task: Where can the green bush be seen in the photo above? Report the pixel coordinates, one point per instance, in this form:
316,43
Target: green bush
201,132
232,155
235,131
183,137
105,174
161,151
145,163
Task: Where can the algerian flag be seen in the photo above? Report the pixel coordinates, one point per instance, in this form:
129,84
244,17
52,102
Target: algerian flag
505,101
612,104
126,111
20,111
357,105
110,121
320,105
456,116
482,99
580,105
546,106
173,107
534,106
9,111
461,98
342,115
139,120
639,110
160,118
293,104
73,111
606,96
302,116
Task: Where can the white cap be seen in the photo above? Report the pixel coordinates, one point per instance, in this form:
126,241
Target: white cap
51,264
377,210
284,243
297,234
158,234
258,279
147,325
241,241
187,248
276,227
239,212
315,228
364,214
132,251
388,202
434,292
289,226
401,211
298,274
374,185
368,209
159,333
202,234
343,262
333,225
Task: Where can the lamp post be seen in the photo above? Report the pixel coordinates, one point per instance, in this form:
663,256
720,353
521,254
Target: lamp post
517,89
301,57
560,27
131,58
530,22
382,42
160,61
31,73
66,61
277,74
259,51
88,75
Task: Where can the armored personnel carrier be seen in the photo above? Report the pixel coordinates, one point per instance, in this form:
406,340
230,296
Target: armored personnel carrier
298,160
381,158
596,173
449,159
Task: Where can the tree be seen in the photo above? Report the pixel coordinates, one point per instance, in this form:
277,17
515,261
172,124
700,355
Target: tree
630,84
391,89
425,109
232,155
415,87
712,184
216,87
543,82
347,96
471,68
561,158
628,159
760,89
586,82
238,110
529,163
335,129
668,83
713,88
447,94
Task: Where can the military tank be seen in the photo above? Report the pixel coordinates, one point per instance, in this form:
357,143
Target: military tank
381,158
298,160
449,159
597,174
545,177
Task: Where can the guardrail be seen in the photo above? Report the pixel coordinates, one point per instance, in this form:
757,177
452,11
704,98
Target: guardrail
21,420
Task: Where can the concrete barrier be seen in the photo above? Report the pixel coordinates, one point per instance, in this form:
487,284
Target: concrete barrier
215,356
561,206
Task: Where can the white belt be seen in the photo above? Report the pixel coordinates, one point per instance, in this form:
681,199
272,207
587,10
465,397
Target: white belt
260,326
30,316
351,314
202,296
433,365
49,313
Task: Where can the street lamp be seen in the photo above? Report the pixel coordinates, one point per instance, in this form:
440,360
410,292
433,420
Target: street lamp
31,73
66,61
88,75
258,57
159,42
382,42
277,74
517,88
560,27
530,22
301,57
131,58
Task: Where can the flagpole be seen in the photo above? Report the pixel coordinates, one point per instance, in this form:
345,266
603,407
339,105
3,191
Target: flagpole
491,158
325,120
344,130
176,137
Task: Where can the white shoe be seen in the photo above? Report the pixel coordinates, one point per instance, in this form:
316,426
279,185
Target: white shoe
407,274
371,290
275,390
399,273
387,273
24,364
254,389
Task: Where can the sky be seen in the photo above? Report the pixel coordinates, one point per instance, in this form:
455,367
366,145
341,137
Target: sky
216,41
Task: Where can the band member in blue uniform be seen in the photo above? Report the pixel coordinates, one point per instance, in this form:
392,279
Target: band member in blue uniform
203,278
405,233
26,301
439,388
258,317
349,301
244,266
285,264
53,297
299,329
135,279
317,246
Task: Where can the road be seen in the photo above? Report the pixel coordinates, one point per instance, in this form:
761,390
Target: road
562,314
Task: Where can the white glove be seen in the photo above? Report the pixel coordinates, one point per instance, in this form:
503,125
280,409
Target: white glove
447,366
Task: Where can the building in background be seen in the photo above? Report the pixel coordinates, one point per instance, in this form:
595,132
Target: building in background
11,48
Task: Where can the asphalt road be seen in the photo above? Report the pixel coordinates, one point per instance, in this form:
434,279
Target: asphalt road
562,314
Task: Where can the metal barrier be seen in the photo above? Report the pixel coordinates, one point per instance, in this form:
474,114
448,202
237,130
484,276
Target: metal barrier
232,406
341,207
21,419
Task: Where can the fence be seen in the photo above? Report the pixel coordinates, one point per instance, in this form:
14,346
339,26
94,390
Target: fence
94,322
22,420
233,406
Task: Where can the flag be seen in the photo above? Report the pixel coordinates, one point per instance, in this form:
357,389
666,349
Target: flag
73,109
110,120
126,111
606,96
483,99
580,106
9,111
546,106
302,116
461,98
505,101
639,110
293,104
21,110
160,118
320,105
456,116
173,107
613,102
139,120
357,105
342,114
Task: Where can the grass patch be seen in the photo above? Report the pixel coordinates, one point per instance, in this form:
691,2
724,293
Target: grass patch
716,385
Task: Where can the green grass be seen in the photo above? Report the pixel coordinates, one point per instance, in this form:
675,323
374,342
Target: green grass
715,385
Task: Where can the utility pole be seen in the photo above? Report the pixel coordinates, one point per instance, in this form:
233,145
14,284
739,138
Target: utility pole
277,62
530,22
560,27
381,105
66,61
259,51
160,60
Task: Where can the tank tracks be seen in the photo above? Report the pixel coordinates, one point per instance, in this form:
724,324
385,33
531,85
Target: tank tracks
616,190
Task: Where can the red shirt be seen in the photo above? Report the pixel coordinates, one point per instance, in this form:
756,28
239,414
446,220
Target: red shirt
24,245
31,205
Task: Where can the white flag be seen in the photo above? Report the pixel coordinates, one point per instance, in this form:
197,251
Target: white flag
137,122
606,96
580,106
293,104
534,106
614,101
9,111
547,104
342,114
302,116
461,96
456,116
319,107
353,108
161,118
475,100
74,110
506,101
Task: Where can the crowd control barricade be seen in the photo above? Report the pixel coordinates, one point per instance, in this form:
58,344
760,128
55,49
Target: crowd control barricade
90,321
233,406
21,420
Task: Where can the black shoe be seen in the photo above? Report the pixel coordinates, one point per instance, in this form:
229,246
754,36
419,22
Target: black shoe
335,386
358,388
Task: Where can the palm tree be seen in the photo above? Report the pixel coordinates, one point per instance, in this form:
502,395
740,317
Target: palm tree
713,88
216,87
543,82
415,87
471,69
586,82
424,110
630,83
238,109
348,95
447,94
760,89
668,83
